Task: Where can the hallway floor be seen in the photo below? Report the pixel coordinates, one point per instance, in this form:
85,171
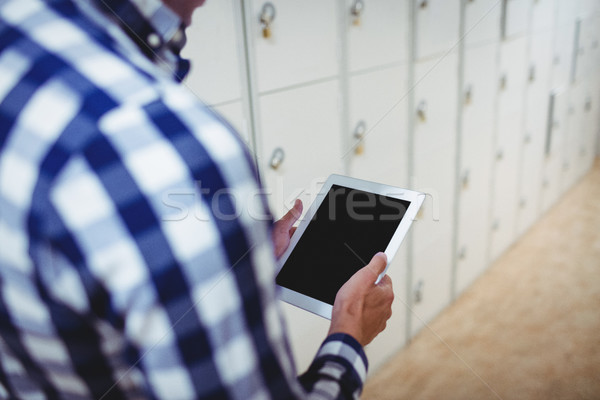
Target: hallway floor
529,328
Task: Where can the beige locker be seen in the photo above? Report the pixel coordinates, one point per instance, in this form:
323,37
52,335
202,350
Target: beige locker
299,142
436,27
433,172
378,151
516,17
377,33
554,148
293,42
543,16
377,146
534,135
234,113
563,60
215,49
513,78
482,21
475,165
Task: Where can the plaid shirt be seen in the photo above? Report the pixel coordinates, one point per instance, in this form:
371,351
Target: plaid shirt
135,253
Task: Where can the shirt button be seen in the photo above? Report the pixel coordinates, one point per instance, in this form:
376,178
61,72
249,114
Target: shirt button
154,40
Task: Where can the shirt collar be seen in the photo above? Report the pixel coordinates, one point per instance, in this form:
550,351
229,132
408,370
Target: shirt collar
155,28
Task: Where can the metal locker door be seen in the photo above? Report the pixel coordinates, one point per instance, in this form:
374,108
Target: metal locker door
436,26
543,16
378,33
513,74
566,12
554,149
213,46
293,42
516,17
482,21
378,151
378,139
563,56
434,168
476,157
299,142
234,113
536,121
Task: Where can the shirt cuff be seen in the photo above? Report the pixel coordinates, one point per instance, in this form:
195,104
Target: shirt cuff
341,345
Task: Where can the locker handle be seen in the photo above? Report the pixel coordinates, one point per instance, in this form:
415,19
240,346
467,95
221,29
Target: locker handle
359,134
532,73
500,155
277,158
424,4
523,203
469,94
503,81
588,104
462,253
527,138
496,225
357,8
422,111
267,15
466,178
418,294
550,124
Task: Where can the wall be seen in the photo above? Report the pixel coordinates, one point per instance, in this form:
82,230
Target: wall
491,107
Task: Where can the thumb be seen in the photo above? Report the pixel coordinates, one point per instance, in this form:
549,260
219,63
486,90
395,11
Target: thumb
292,216
378,263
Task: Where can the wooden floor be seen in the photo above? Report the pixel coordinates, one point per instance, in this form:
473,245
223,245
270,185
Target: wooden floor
529,328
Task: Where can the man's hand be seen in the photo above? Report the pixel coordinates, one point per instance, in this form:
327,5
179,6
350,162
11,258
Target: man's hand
361,308
284,228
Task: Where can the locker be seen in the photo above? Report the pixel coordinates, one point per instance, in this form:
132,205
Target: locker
377,32
482,21
536,121
378,138
306,332
234,113
543,15
587,8
564,39
554,148
588,48
566,12
573,141
393,338
302,43
513,76
516,17
436,26
475,169
299,142
585,115
433,172
212,48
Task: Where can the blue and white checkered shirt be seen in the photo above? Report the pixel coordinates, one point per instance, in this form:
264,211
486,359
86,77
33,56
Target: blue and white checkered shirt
135,253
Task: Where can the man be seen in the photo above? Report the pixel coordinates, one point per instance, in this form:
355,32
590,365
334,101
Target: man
102,294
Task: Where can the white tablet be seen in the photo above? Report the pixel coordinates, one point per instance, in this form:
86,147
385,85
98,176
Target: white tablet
347,224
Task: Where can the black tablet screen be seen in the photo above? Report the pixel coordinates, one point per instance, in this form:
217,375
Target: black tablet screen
347,230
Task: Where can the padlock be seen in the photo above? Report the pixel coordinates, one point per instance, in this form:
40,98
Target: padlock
266,31
359,149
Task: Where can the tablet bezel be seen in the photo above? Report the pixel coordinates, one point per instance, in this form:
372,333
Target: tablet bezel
416,200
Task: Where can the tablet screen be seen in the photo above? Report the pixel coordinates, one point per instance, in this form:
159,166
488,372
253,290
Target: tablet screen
347,230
